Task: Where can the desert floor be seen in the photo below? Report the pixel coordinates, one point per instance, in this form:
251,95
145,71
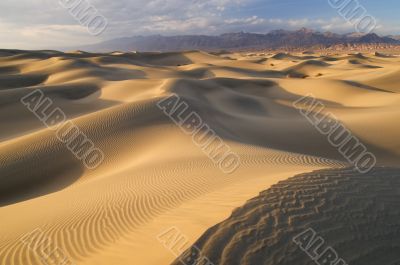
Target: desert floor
153,176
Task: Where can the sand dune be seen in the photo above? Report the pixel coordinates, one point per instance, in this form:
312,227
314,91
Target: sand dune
153,175
355,214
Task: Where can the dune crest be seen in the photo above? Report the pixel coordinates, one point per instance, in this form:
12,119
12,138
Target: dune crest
354,215
153,175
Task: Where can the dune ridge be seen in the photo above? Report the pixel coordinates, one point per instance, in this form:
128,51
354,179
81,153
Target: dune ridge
151,168
355,214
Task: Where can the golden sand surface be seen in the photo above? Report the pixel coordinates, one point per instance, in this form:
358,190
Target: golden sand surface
153,175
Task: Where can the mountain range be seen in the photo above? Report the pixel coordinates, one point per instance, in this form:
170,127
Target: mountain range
277,39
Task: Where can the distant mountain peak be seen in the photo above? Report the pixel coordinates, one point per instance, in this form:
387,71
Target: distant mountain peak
276,39
306,30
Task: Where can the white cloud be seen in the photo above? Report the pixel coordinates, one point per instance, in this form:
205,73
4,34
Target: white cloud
262,25
42,36
45,23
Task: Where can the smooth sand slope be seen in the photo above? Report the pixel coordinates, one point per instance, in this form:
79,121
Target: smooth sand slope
153,175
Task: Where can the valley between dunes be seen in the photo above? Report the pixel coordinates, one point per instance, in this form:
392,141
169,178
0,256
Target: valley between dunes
153,176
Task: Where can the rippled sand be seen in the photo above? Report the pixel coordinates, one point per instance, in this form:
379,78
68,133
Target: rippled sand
153,176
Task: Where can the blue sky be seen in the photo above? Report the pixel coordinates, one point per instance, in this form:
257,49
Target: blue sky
384,9
47,24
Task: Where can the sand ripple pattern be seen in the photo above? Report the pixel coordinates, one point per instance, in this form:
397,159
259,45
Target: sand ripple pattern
358,215
122,203
152,167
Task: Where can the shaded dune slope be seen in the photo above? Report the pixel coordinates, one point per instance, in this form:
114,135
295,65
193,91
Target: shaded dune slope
150,166
356,214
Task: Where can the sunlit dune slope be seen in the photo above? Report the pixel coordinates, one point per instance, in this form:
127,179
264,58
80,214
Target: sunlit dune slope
153,175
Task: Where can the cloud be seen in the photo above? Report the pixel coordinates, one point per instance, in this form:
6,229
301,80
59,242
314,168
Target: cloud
45,23
42,36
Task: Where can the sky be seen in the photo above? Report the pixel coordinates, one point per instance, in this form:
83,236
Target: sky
43,24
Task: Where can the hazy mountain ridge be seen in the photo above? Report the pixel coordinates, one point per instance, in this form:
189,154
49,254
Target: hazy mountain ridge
276,39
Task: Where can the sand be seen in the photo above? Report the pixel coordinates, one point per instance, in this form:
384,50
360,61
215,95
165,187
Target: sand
153,176
351,216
